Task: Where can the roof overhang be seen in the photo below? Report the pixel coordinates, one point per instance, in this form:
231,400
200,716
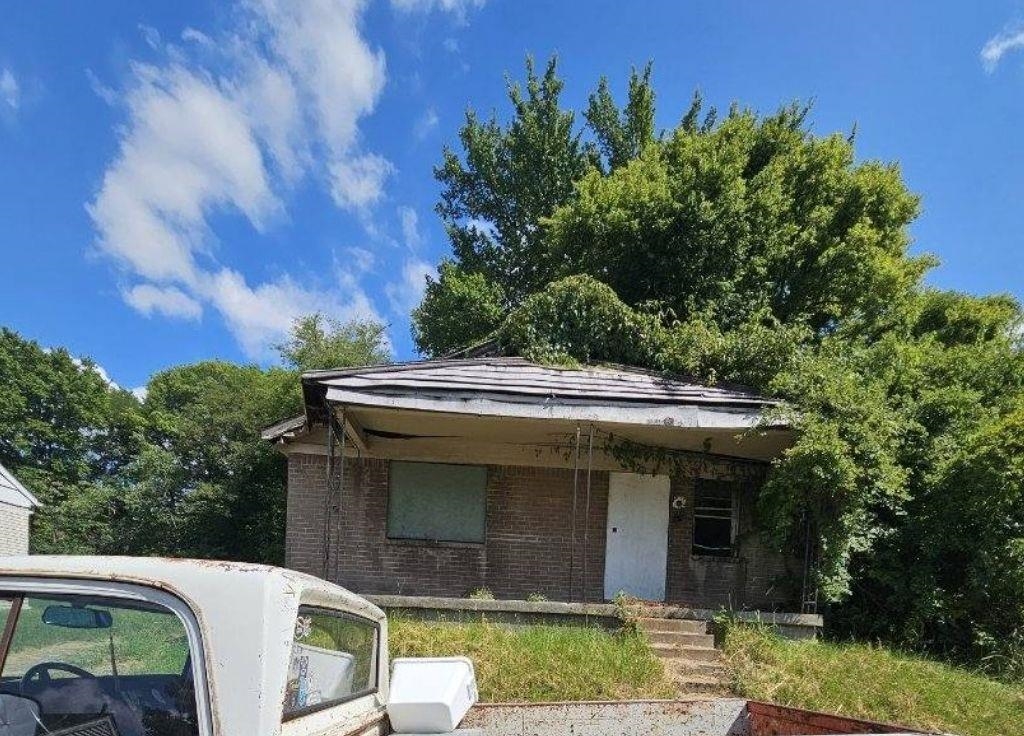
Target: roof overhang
664,415
507,410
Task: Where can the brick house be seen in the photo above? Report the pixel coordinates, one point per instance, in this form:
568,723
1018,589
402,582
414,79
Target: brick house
444,477
17,505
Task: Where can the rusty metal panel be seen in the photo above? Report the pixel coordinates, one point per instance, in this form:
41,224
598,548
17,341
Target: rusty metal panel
768,719
717,717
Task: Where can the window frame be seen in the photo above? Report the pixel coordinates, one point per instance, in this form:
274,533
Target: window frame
287,716
16,589
735,488
432,540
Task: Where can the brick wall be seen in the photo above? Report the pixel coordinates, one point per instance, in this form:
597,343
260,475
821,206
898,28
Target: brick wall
755,578
529,541
13,529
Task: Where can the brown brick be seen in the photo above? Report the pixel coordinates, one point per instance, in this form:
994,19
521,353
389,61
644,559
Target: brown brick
529,541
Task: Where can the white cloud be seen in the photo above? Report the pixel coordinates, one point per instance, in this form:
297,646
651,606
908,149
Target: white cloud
140,392
104,91
410,227
262,315
10,91
450,45
425,124
190,149
227,123
360,260
358,182
997,46
90,365
168,301
458,8
194,35
150,35
337,75
483,227
405,294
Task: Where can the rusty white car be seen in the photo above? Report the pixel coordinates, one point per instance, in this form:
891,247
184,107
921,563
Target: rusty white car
117,646
105,646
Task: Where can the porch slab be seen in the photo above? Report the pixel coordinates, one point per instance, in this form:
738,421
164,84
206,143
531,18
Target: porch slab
519,612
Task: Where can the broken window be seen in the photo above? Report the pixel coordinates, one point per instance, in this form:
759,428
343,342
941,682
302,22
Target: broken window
714,518
435,501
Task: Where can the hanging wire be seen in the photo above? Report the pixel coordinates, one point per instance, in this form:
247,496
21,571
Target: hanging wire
341,490
327,499
575,484
586,523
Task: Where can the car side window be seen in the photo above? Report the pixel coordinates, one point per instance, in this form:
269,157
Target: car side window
333,659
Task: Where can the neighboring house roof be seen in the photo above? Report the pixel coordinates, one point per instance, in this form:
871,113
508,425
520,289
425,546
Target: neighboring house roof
14,493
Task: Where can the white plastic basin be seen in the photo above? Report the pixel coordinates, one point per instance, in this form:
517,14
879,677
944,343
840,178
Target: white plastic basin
430,695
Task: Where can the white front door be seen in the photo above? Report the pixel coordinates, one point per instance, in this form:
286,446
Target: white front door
637,541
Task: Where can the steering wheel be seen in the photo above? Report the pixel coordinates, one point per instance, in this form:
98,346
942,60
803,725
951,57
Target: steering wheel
41,673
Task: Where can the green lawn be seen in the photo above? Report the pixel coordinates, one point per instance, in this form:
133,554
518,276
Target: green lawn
871,682
540,663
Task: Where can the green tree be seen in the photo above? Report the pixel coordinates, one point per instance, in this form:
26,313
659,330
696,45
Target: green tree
317,342
748,249
496,195
185,473
63,430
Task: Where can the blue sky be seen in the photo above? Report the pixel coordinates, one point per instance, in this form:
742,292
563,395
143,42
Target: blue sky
179,180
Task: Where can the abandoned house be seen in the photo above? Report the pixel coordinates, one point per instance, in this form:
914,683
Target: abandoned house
448,476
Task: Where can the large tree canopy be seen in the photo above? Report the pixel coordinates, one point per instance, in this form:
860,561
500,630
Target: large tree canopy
182,473
746,248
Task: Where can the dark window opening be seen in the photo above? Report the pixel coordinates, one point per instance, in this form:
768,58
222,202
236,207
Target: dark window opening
714,528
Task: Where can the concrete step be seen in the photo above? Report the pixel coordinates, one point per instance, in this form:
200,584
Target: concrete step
695,667
680,625
699,654
694,683
681,639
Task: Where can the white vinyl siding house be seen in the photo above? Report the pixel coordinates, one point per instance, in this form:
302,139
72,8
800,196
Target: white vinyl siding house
17,505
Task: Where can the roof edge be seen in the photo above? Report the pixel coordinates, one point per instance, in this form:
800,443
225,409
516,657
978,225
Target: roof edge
18,487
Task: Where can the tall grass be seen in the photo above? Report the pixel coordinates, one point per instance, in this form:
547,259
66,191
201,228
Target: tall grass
871,682
540,663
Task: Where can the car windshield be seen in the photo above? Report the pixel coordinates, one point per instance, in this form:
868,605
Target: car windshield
92,666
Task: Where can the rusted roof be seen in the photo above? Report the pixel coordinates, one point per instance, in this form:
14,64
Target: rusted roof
517,379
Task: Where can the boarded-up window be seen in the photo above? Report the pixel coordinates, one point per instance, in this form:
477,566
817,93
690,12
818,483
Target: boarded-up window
438,502
714,525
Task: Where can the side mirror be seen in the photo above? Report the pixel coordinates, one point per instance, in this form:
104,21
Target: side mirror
77,617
